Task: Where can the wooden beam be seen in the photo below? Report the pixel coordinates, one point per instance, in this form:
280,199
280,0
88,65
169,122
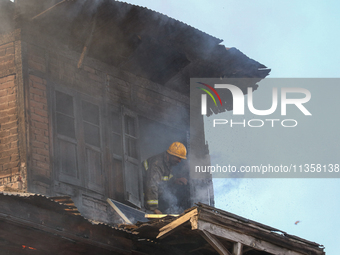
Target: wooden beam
216,244
251,241
167,229
237,249
88,42
36,16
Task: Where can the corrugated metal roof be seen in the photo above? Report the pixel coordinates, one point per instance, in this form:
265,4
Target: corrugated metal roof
62,204
48,226
142,7
178,230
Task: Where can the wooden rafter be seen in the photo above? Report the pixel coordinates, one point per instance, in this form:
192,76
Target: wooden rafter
237,249
244,239
216,244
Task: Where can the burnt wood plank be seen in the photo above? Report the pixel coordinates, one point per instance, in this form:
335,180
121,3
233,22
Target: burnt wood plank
168,229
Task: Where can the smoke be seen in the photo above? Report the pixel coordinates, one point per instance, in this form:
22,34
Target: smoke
168,201
225,186
6,16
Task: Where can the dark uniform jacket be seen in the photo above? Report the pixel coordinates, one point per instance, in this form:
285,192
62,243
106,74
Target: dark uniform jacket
155,170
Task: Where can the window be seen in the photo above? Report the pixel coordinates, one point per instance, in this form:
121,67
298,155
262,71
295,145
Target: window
116,134
91,123
92,139
78,136
125,174
132,171
79,144
67,144
130,136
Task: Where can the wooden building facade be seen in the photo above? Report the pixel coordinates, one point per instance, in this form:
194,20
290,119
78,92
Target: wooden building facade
88,89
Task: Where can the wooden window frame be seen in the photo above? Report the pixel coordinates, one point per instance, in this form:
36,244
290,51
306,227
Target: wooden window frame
132,164
83,180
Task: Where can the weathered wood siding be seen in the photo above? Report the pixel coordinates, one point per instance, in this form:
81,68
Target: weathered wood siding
52,68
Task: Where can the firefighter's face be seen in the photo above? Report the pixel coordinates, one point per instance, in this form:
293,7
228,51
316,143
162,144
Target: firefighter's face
174,160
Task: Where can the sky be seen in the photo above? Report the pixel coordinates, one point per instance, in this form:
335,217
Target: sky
296,39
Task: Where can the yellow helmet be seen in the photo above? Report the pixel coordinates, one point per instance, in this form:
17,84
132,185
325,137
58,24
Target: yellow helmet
178,149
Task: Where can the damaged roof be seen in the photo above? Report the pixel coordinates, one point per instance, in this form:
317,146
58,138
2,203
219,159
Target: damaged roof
27,219
207,230
136,39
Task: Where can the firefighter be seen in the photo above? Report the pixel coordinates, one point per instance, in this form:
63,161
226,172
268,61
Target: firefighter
157,170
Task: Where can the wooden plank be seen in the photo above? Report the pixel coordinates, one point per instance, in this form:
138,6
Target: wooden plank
122,215
244,239
132,214
47,10
88,42
159,216
237,249
167,229
216,244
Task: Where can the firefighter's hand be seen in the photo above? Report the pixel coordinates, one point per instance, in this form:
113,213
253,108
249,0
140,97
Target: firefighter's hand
181,181
156,211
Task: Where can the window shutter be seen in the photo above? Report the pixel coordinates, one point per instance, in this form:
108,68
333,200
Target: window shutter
116,183
67,148
132,174
93,146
